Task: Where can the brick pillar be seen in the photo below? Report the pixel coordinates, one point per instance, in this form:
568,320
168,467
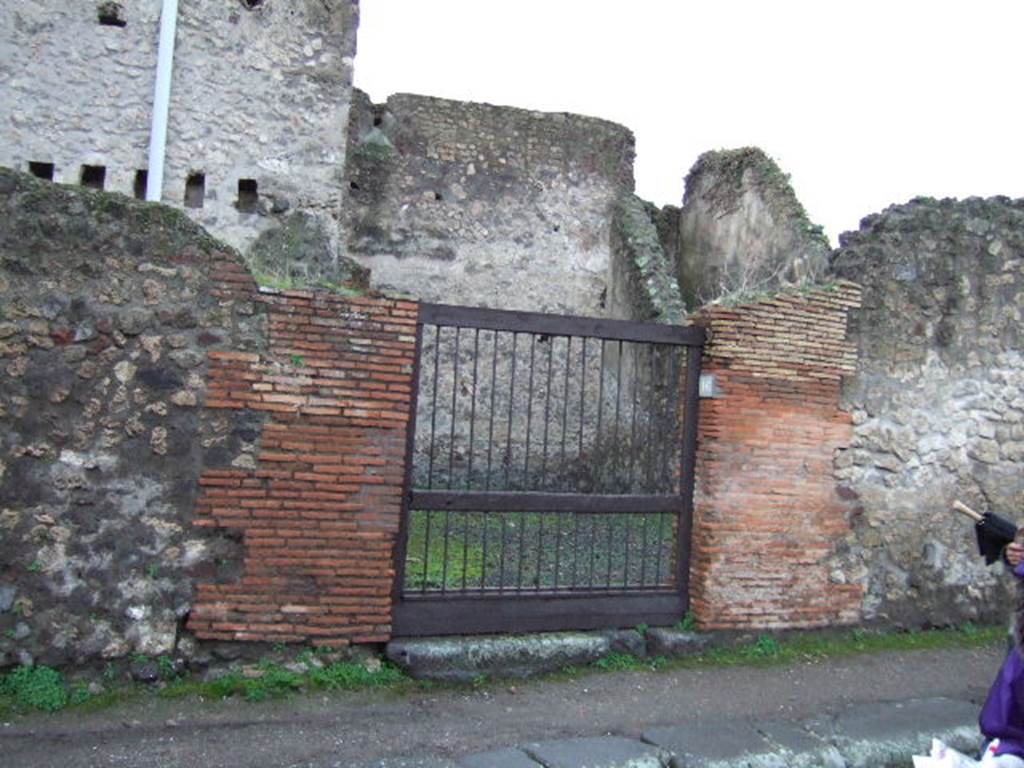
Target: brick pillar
317,506
767,512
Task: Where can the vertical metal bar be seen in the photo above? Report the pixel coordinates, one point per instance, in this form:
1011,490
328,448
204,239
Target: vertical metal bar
540,545
618,398
609,545
593,549
465,547
444,555
522,547
565,406
661,546
633,458
672,419
511,400
652,423
644,519
404,523
558,547
485,523
501,553
600,397
455,397
575,545
426,552
575,515
529,412
472,408
547,415
583,391
688,463
627,519
490,428
433,407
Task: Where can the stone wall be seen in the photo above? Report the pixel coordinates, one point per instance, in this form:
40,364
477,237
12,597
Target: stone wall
107,310
770,517
936,402
481,205
259,94
742,230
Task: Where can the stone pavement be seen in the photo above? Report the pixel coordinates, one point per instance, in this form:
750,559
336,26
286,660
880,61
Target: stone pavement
876,735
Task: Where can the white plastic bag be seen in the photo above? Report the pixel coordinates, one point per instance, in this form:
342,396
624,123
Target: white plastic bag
946,757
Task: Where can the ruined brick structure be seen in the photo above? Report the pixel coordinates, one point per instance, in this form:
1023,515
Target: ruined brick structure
769,514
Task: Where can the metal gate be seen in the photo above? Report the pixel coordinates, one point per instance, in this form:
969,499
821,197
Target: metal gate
549,474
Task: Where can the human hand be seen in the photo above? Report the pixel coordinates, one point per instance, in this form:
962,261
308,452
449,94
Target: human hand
1014,554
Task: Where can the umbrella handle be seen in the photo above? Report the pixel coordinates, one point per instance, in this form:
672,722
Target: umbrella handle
962,508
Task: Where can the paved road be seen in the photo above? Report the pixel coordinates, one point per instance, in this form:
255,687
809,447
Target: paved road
317,731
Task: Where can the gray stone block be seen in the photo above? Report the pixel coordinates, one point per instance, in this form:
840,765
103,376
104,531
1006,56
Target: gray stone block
887,734
7,595
627,641
673,642
407,762
600,752
799,747
499,758
464,659
723,745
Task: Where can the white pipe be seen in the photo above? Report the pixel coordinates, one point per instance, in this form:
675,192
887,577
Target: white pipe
161,100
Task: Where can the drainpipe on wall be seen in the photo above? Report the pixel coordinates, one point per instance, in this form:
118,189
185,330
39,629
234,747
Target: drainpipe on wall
161,100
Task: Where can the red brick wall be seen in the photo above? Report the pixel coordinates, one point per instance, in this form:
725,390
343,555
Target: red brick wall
319,512
767,512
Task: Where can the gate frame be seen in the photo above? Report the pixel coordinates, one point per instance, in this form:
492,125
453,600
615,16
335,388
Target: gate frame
536,611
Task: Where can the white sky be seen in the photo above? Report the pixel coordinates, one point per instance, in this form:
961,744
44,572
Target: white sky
864,103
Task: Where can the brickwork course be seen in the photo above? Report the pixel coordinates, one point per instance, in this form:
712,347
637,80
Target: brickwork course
768,512
319,507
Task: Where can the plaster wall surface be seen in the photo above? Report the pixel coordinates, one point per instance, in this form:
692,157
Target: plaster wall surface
482,205
258,94
936,403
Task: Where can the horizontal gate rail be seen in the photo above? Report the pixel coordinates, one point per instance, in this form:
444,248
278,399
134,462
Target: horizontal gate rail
475,614
559,325
506,501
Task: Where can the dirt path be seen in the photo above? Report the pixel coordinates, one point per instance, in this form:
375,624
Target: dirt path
317,731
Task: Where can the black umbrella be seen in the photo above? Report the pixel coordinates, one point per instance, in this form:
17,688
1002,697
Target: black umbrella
992,531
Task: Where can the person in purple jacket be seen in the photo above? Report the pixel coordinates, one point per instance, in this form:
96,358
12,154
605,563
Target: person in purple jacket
1002,716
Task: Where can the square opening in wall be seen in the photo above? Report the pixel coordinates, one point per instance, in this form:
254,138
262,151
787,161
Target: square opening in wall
139,187
195,190
111,14
94,176
248,195
41,170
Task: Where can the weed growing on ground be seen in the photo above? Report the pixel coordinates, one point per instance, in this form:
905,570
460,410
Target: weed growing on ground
275,681
43,688
627,662
688,623
34,688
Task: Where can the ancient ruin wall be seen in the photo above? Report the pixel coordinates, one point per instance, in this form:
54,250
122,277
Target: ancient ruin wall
107,311
259,94
483,205
771,519
936,403
742,229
